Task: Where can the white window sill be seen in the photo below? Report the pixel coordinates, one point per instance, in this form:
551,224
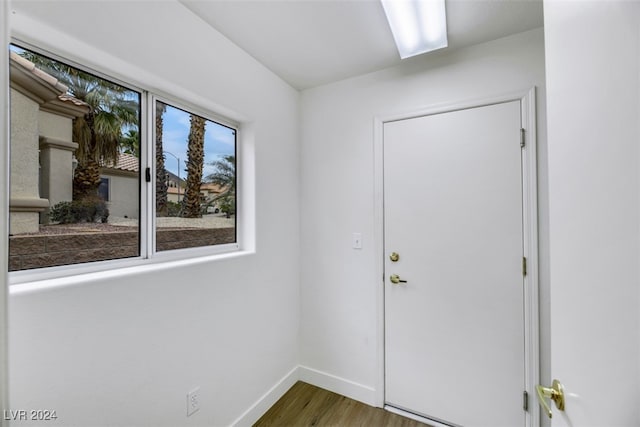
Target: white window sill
23,282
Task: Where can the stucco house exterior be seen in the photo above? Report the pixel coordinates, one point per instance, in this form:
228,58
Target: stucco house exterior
175,187
42,147
120,186
41,144
210,191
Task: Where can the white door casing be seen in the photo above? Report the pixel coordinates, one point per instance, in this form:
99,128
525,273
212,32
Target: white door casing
4,205
523,216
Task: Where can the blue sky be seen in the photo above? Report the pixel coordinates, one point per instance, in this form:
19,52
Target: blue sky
218,141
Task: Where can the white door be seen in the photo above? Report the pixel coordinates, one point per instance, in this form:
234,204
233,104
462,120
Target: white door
593,140
454,331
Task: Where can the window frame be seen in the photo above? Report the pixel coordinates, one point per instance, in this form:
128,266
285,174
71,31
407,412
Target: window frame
190,108
147,213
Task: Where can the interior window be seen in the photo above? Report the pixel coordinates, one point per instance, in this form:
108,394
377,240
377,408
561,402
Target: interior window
77,175
75,190
195,188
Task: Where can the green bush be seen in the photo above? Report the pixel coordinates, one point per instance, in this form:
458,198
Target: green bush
88,210
228,205
173,208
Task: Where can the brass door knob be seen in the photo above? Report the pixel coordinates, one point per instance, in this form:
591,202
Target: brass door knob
555,393
395,279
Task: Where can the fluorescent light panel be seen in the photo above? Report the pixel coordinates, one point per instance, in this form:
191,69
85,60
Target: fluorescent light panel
418,26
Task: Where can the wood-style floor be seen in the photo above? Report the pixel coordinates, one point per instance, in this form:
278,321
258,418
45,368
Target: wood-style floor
307,405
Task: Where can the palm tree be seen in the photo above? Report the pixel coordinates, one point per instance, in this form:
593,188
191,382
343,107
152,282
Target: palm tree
162,209
195,163
225,177
131,143
98,133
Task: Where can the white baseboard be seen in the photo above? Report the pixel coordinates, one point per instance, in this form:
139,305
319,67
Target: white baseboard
265,402
338,385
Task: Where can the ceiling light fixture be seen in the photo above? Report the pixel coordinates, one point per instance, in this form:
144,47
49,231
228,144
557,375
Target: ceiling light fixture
418,26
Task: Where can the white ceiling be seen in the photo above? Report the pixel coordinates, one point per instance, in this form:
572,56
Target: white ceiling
313,42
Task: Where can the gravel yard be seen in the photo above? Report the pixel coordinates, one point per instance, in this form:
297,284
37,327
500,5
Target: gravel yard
207,221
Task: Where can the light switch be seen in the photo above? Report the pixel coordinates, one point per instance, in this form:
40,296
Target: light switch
357,240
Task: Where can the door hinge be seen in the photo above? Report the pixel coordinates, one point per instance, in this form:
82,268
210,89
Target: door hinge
522,137
525,401
147,174
524,266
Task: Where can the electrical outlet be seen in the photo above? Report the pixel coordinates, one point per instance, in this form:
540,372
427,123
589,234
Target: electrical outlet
193,401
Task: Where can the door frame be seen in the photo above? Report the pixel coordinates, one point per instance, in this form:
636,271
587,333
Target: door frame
4,208
527,99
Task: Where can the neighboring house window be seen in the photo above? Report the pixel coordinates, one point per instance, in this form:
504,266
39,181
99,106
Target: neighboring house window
75,145
103,189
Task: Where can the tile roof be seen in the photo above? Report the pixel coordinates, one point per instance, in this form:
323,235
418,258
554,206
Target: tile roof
126,162
211,188
46,78
72,99
37,72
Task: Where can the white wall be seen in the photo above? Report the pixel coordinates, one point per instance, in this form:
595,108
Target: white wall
123,194
339,323
593,80
123,348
